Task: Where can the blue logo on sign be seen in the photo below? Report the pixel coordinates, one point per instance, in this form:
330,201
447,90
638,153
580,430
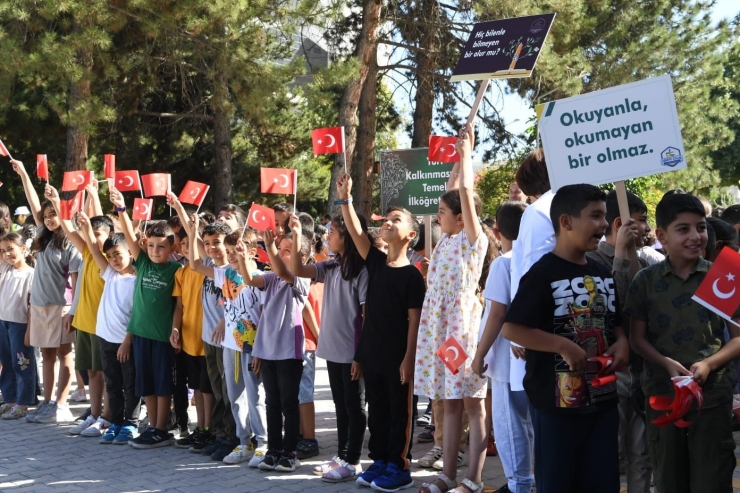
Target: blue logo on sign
671,157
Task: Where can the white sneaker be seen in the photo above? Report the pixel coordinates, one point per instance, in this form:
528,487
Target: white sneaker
97,428
241,453
64,415
78,395
462,460
434,454
259,454
80,427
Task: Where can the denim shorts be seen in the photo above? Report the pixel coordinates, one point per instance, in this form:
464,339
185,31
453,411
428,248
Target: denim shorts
305,394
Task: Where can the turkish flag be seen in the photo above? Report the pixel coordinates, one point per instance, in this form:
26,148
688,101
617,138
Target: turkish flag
687,395
194,193
3,149
110,166
76,180
453,354
262,256
261,217
127,181
328,140
442,149
42,167
156,184
142,209
720,289
68,208
278,180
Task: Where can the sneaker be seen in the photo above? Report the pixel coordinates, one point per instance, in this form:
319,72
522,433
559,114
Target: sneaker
110,434
322,469
15,413
201,441
187,441
393,479
241,453
426,436
125,434
345,472
4,408
288,463
491,450
80,427
269,462
462,460
425,419
83,416
153,439
431,457
227,446
259,454
373,472
307,448
31,417
54,413
96,429
78,395
212,447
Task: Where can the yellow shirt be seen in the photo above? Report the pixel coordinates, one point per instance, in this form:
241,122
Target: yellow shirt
86,315
188,286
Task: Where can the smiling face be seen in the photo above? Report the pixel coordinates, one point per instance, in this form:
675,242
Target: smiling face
12,253
685,238
280,218
158,249
285,250
643,228
589,227
230,219
215,248
50,218
231,256
119,258
396,229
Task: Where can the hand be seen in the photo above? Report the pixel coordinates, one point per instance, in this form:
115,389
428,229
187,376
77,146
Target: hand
620,350
479,367
355,370
465,141
218,335
519,352
116,198
124,352
269,237
295,227
424,267
82,219
675,369
574,355
256,365
18,167
240,249
67,323
192,225
51,193
27,337
626,235
172,199
92,188
175,339
407,370
344,186
701,371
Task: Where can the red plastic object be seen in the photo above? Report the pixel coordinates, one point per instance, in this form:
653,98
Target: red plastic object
600,379
686,393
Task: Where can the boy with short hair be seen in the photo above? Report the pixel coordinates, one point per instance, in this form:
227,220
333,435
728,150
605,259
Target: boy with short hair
677,336
566,311
387,347
151,323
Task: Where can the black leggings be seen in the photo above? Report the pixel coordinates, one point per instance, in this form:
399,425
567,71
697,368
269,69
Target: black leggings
349,401
282,380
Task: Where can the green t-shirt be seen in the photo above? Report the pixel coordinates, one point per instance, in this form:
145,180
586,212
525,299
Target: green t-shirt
154,305
679,328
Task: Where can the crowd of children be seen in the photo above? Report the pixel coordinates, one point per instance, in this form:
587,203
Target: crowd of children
204,309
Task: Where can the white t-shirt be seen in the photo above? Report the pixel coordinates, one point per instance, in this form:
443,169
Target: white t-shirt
15,286
498,289
116,305
242,308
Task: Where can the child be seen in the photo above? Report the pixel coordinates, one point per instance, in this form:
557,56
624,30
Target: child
114,265
678,336
387,346
18,359
151,324
277,354
566,311
510,410
452,311
54,257
341,325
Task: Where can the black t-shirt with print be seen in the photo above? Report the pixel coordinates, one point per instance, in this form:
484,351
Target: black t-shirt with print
575,301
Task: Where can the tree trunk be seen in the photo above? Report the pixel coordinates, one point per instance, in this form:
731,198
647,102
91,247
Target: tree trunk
425,65
78,99
222,184
367,46
364,158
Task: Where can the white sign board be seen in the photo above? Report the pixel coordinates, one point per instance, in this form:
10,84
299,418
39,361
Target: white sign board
605,136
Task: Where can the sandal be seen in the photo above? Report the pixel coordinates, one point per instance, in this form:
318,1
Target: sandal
433,488
469,487
321,469
345,472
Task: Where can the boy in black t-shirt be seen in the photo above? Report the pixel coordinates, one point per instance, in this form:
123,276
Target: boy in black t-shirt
387,347
565,312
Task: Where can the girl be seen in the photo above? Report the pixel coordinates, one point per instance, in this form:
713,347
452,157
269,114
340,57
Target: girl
452,311
6,226
345,281
54,254
18,378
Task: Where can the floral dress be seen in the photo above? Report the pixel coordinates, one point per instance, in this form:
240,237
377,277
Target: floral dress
451,309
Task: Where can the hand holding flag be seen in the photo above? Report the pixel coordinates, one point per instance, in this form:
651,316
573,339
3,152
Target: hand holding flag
719,291
453,355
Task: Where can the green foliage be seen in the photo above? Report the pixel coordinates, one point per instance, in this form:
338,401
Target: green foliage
492,184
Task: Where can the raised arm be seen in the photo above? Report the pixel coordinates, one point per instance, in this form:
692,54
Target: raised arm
127,228
94,208
466,185
195,255
296,265
53,196
351,221
31,195
87,234
247,266
276,262
187,223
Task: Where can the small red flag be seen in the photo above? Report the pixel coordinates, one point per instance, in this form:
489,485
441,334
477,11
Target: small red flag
76,180
452,354
142,209
261,217
42,167
262,256
328,140
127,181
110,167
194,193
68,208
156,184
278,180
3,150
719,291
442,149
376,217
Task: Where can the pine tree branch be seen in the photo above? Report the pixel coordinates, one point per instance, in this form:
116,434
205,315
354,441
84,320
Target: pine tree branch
178,116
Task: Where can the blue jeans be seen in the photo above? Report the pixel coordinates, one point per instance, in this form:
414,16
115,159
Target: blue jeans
512,427
18,377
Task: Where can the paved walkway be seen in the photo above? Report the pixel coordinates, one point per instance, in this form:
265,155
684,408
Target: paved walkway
41,458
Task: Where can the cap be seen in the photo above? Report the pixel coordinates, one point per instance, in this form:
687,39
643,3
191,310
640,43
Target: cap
22,211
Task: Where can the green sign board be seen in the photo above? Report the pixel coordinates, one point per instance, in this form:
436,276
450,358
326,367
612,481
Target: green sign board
409,180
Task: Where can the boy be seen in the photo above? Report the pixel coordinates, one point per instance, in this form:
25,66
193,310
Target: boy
677,336
512,424
613,253
387,346
114,313
151,323
565,312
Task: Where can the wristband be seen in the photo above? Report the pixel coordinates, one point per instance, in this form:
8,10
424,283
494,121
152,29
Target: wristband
119,209
343,202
